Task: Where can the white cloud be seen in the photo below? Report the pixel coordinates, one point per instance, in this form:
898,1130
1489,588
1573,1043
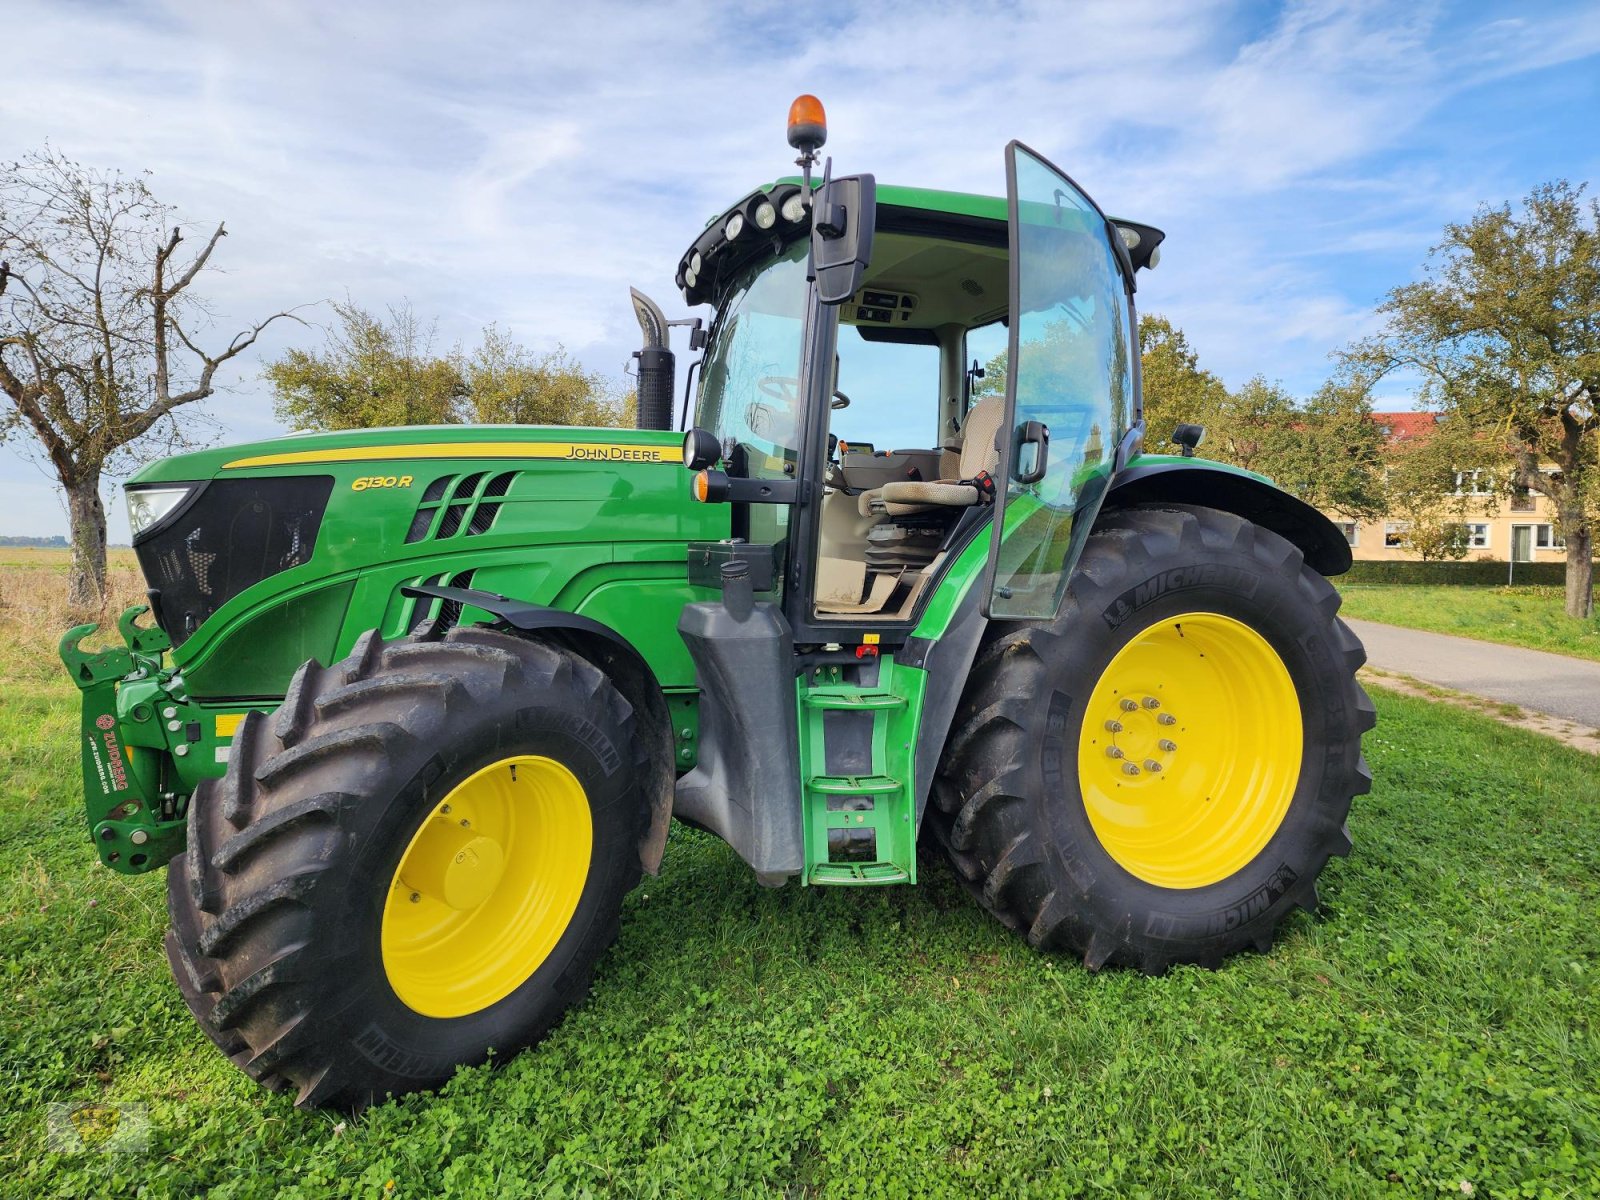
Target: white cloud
526,163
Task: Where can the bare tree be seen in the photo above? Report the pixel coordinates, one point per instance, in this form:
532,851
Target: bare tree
99,333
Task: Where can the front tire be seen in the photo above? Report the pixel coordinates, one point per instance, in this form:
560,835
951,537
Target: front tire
1160,774
417,859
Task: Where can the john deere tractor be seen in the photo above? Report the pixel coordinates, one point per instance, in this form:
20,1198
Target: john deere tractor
418,705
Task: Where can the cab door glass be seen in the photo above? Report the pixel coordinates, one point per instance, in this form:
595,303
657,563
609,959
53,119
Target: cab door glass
1069,385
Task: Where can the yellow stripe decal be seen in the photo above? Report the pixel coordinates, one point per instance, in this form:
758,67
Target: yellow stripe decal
228,723
582,451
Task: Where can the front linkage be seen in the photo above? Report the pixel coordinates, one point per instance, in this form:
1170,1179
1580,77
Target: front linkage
145,744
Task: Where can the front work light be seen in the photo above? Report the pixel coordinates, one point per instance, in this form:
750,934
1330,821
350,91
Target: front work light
794,208
734,227
146,506
764,215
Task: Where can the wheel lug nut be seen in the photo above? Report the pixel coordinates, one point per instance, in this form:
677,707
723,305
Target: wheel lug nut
1166,719
1129,769
1151,765
1113,726
1130,706
1168,745
416,897
1113,752
1151,702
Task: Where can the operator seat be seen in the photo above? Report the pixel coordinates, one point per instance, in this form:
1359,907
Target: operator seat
980,454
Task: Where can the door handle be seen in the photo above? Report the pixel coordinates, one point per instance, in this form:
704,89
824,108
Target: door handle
1036,434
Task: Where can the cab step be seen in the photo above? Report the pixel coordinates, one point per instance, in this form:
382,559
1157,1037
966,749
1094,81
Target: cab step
853,700
857,756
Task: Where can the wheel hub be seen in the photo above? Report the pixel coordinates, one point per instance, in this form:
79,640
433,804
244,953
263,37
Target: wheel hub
1190,750
487,886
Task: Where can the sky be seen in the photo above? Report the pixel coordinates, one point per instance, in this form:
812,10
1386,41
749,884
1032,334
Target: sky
525,163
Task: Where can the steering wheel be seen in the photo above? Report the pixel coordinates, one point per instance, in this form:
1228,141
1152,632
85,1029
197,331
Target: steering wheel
786,389
783,388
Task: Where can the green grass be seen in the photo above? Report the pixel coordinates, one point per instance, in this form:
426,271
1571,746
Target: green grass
1515,616
1438,1022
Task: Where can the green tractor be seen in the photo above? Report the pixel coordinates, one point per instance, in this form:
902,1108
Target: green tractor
418,705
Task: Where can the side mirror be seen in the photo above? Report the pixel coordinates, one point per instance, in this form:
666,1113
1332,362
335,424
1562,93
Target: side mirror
845,212
1187,437
700,448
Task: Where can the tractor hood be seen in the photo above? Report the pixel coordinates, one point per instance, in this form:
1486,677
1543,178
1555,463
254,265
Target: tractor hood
260,556
411,442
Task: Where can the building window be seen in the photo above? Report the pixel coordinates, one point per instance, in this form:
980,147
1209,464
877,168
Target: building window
1474,483
1545,537
1350,530
1394,534
1477,537
1522,499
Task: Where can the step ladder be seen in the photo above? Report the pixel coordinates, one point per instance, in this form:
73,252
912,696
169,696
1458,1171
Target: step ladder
857,750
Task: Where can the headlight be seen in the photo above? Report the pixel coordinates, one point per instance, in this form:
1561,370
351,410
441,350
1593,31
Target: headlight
794,208
734,227
146,506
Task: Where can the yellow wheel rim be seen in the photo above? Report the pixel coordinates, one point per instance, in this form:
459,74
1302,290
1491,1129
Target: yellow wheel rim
487,886
1190,750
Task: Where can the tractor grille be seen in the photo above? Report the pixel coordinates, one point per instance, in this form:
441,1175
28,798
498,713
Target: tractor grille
464,505
235,533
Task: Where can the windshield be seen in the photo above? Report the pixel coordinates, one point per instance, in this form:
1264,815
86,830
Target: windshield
750,389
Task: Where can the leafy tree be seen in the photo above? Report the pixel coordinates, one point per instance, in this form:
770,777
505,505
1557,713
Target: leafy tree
506,383
386,371
1326,450
371,371
1504,329
1332,454
100,340
1176,389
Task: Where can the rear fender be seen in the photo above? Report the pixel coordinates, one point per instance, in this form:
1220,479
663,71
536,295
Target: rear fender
1158,478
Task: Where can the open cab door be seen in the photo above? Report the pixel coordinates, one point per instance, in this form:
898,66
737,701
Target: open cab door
1069,384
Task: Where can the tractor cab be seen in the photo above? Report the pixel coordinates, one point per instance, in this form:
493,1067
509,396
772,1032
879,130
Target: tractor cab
852,401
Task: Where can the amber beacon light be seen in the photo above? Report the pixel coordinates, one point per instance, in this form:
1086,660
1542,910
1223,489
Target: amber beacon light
808,124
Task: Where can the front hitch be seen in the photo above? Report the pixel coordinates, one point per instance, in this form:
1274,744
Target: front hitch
134,828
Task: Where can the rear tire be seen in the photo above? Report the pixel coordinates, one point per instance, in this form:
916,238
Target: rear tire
1030,804
284,904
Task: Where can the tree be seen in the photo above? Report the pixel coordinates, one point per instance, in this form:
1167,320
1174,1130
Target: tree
385,371
1504,330
1176,389
371,371
1326,450
507,384
99,333
1332,454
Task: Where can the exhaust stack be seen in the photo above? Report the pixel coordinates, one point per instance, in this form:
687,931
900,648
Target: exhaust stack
657,365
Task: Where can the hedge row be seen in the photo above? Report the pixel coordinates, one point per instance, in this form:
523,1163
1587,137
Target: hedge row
1550,573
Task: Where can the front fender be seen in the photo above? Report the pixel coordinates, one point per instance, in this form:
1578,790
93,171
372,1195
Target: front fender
621,662
1155,479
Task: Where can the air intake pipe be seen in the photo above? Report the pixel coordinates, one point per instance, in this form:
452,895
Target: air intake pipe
657,366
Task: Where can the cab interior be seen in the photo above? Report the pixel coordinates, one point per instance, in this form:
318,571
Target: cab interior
915,420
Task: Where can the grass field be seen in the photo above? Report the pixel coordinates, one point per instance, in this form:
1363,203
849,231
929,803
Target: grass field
1434,1031
1517,616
